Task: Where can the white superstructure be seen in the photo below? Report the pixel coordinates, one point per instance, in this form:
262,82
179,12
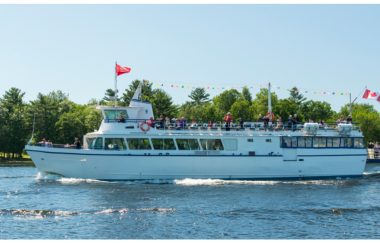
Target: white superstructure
126,148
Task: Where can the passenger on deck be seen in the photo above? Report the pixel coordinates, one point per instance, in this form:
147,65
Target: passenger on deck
241,123
290,122
279,125
150,122
161,121
182,122
349,119
42,142
167,122
77,143
121,119
228,119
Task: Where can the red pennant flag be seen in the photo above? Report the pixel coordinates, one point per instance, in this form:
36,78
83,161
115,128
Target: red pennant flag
122,69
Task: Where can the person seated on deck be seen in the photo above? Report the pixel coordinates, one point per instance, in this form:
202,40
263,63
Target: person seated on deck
150,122
121,119
279,125
77,143
42,142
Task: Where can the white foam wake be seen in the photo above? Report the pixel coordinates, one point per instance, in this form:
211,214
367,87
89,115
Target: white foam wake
213,182
73,181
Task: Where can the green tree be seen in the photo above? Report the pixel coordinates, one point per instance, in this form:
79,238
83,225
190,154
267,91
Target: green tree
80,120
162,104
241,110
199,96
225,100
296,96
246,94
367,118
47,110
316,111
260,103
13,124
146,94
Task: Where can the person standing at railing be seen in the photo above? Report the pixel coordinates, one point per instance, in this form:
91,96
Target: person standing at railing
167,122
349,119
228,119
160,121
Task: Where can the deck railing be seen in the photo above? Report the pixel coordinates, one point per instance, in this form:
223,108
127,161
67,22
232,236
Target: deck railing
222,126
373,153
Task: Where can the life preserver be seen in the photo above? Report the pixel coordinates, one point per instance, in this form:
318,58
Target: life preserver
144,127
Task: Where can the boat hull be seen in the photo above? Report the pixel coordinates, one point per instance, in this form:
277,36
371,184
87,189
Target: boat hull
106,165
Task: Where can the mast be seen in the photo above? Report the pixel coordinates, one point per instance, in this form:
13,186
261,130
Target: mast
115,97
269,99
350,114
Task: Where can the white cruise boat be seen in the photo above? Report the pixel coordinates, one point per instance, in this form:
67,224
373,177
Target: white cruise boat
129,149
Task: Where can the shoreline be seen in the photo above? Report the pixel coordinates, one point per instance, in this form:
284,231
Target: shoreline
16,163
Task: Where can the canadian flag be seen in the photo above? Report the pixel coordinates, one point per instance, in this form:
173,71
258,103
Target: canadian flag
368,94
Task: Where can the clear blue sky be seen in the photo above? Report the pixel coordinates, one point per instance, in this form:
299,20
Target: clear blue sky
73,48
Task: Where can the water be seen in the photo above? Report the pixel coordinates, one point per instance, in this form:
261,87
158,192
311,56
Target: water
33,206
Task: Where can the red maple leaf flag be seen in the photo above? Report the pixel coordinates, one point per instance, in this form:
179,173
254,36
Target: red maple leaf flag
368,94
122,69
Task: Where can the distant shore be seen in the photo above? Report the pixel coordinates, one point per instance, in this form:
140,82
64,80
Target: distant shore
16,163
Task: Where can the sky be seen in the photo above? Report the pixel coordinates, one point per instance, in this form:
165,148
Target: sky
324,50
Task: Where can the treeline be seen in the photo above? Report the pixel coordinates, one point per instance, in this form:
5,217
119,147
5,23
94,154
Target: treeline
60,120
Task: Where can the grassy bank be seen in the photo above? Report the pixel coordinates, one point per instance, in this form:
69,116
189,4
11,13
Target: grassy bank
25,161
16,163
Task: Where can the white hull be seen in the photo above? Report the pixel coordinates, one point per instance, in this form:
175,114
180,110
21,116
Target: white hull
106,165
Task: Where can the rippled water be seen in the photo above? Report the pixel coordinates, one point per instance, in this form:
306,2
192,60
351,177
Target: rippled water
33,206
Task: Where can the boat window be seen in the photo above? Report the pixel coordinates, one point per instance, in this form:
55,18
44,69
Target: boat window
138,144
358,143
319,142
294,141
115,115
97,143
115,144
286,142
231,144
187,144
163,144
308,141
89,141
301,142
212,144
346,142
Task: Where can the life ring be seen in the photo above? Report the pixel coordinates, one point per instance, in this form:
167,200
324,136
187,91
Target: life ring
144,127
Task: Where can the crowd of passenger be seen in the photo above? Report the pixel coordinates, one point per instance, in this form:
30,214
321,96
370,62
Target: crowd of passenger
267,122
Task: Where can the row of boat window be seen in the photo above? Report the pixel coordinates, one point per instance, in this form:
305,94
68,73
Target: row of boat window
322,142
154,143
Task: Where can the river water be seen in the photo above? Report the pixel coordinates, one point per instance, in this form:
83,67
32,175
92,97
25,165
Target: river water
35,206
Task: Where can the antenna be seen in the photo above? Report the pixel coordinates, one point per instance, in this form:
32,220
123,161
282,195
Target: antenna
34,122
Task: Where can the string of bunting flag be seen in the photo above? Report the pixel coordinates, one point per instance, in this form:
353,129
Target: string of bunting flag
212,87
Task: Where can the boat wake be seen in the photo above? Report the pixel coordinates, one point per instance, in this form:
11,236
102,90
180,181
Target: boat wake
66,181
217,182
41,213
